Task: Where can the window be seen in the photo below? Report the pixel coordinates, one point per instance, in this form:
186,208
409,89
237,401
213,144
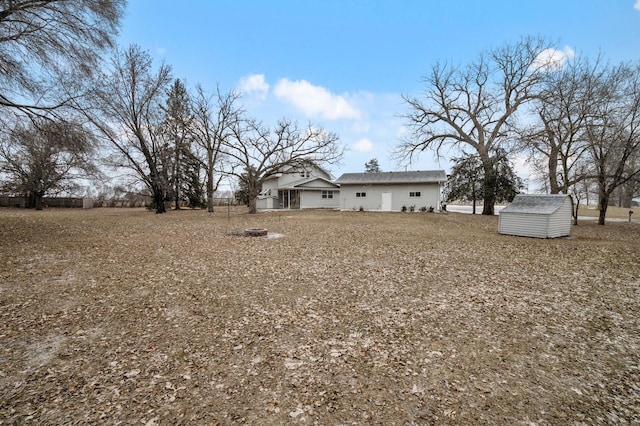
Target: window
305,174
361,194
414,194
327,194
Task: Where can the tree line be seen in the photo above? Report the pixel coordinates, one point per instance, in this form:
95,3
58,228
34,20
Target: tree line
69,107
576,118
62,106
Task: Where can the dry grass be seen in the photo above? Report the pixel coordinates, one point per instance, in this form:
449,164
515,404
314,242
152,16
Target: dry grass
123,316
612,212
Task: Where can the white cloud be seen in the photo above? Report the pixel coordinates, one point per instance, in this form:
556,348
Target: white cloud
255,85
161,50
315,101
554,59
637,5
363,145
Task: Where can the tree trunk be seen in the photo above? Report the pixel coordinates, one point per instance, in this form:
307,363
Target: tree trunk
177,189
29,200
37,196
252,206
554,188
253,197
603,203
488,185
176,175
158,198
210,191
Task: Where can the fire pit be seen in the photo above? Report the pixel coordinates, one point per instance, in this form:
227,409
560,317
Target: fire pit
255,232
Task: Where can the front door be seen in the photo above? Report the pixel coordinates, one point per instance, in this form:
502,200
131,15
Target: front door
386,202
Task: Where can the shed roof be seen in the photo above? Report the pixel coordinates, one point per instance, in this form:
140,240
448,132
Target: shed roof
427,176
537,204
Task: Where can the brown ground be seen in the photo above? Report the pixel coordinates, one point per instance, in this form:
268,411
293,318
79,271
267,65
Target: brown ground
612,212
123,316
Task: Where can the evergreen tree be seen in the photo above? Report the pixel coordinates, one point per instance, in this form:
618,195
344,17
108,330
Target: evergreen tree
176,122
372,166
192,187
242,194
467,180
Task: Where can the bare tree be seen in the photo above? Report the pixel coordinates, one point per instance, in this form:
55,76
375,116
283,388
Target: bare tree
475,105
127,104
613,132
214,118
43,41
42,156
563,110
258,152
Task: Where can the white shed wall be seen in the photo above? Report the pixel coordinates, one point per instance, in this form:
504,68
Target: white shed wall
523,224
537,225
560,221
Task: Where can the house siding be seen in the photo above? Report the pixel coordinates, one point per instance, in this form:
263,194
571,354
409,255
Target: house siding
314,200
429,196
267,203
304,183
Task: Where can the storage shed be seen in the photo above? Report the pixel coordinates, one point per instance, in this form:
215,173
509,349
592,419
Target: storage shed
538,216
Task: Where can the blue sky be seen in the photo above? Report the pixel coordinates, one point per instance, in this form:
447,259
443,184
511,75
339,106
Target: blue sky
345,64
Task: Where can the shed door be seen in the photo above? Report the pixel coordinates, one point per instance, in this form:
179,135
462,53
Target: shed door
386,202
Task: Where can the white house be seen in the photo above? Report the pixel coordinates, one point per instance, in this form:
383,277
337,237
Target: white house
300,186
391,191
539,216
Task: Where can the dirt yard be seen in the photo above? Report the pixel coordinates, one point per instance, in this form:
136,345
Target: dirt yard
121,316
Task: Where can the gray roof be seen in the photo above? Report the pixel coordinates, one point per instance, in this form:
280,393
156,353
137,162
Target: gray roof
538,204
428,176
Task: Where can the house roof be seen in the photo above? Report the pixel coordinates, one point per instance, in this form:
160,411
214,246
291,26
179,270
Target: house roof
299,163
537,204
314,182
427,176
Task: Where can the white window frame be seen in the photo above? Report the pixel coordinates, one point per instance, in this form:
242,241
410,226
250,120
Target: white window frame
361,194
415,194
327,194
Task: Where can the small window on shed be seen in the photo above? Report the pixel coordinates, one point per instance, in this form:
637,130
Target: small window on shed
361,194
415,194
327,194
